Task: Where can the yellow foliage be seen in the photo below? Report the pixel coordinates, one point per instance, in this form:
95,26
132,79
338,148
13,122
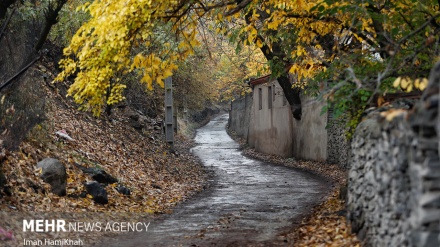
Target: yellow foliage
103,47
408,85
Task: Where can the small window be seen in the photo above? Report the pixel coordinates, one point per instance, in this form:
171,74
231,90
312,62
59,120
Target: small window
260,98
269,96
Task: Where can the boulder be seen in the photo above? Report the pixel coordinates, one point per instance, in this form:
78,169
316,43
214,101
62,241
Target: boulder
54,173
97,191
98,174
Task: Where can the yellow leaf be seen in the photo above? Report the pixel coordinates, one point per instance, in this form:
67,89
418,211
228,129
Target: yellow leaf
146,79
167,73
259,43
396,82
391,114
159,80
417,83
423,84
404,83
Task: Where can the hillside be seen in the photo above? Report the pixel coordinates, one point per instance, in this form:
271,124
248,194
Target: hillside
128,145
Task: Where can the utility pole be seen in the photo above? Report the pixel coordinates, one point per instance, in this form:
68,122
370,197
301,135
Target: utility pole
169,119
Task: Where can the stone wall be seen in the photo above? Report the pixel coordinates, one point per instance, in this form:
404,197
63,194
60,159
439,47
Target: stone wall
239,115
394,179
338,147
424,166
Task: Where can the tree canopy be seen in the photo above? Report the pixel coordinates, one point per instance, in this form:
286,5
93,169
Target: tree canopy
357,48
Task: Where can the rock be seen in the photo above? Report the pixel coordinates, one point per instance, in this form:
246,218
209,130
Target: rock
98,174
102,176
136,125
54,173
123,190
98,192
83,194
132,115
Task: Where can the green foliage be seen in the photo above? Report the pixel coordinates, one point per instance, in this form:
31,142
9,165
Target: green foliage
383,47
69,21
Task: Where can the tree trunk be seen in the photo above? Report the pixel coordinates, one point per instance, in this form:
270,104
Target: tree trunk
51,19
292,95
277,54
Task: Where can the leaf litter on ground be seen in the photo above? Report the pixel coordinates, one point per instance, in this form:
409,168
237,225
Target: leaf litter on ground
326,224
141,161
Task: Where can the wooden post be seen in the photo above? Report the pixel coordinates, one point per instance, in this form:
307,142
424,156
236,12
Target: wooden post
169,120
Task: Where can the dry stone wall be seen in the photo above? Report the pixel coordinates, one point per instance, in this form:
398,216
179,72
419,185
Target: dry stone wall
394,179
425,166
338,147
378,187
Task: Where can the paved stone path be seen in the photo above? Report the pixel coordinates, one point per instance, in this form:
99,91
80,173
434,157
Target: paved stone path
247,204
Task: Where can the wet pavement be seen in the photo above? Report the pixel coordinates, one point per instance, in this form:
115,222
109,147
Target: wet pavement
248,202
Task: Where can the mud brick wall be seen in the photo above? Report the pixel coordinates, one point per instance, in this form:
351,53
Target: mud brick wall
394,178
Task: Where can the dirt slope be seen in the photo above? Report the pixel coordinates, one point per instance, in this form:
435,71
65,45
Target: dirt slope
139,159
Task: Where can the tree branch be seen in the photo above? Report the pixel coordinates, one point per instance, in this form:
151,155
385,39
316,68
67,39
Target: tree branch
10,80
51,15
241,4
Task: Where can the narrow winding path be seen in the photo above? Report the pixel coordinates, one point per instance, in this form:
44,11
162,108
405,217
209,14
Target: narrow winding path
248,203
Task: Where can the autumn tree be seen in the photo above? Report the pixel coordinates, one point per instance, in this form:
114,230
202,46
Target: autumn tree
102,46
358,48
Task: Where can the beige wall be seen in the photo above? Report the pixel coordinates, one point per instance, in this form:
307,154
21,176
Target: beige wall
270,130
275,131
310,133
